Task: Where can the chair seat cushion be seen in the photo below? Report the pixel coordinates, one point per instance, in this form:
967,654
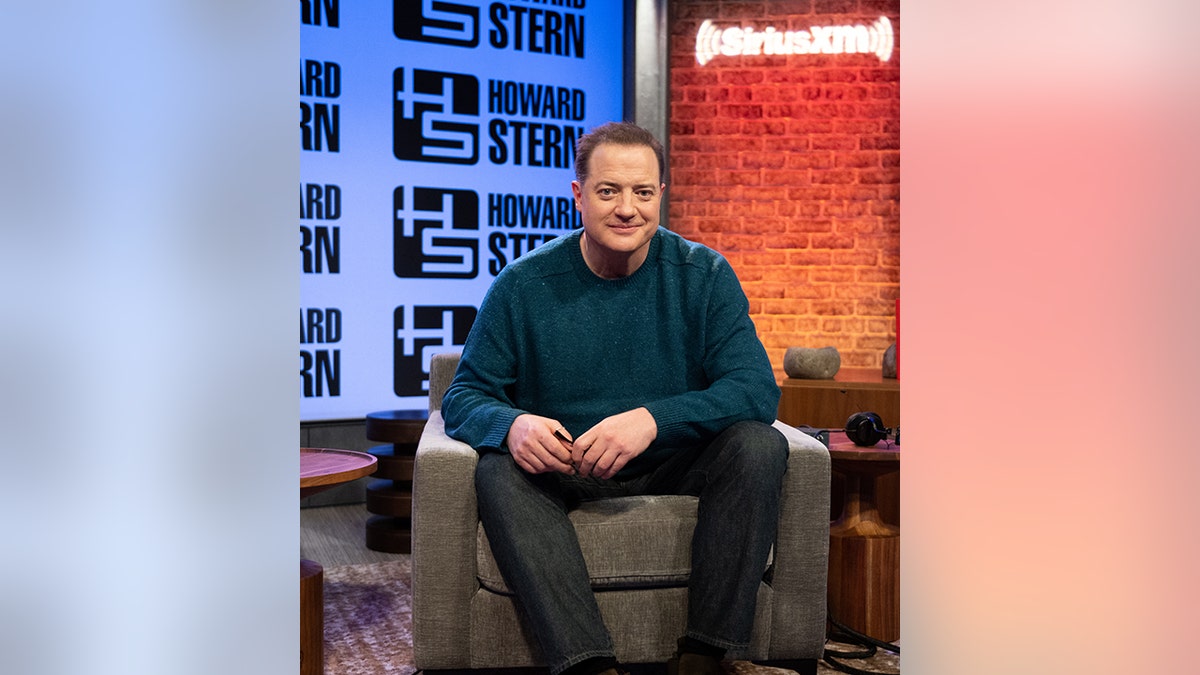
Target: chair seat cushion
627,542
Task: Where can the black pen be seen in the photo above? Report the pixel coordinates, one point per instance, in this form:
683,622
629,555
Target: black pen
561,434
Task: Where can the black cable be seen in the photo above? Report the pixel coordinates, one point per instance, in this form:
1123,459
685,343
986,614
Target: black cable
845,634
863,639
847,668
870,651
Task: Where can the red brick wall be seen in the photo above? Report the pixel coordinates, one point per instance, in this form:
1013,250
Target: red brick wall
790,166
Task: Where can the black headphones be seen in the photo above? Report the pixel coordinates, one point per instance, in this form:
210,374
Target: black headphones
866,429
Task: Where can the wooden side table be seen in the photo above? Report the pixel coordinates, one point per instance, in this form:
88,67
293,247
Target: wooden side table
827,404
864,551
321,469
389,495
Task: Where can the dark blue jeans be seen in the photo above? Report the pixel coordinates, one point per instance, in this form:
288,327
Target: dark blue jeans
738,478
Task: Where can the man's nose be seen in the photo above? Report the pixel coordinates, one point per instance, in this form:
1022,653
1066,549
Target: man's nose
625,208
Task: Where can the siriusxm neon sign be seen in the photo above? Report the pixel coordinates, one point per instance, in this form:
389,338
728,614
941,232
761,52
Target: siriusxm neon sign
712,41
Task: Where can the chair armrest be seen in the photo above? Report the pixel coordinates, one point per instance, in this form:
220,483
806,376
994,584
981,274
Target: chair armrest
801,547
441,373
444,524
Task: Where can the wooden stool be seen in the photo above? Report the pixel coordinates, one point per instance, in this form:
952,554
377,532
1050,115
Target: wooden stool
312,618
389,497
321,469
864,552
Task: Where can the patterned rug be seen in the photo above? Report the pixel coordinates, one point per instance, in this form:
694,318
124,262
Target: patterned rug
368,626
368,619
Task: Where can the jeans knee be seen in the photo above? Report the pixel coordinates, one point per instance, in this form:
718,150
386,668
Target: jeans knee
503,487
495,474
759,451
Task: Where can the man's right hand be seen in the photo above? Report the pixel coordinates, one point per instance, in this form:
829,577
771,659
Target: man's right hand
535,448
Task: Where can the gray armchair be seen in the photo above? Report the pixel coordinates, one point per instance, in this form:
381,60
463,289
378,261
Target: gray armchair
638,554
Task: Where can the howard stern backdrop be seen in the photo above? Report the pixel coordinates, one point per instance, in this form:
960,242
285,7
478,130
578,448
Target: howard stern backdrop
437,146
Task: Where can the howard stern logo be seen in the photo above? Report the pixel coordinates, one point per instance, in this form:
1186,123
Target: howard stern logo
443,23
424,233
421,332
512,26
435,117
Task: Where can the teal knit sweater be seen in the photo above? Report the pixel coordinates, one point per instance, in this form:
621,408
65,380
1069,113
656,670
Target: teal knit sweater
553,339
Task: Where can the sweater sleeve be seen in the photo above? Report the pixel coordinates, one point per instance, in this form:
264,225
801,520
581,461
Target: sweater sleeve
477,406
741,382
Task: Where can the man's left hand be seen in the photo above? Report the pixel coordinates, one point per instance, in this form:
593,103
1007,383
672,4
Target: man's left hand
604,449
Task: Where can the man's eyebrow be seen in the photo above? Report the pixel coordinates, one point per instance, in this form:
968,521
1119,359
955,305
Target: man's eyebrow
637,186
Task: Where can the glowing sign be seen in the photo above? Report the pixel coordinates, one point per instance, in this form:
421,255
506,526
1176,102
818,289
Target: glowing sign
877,39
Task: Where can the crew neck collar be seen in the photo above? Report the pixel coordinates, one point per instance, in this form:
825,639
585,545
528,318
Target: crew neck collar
587,274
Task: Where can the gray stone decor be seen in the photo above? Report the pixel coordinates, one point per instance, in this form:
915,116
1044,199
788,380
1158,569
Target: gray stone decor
809,363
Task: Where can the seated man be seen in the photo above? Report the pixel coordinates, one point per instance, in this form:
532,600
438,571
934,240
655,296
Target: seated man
621,360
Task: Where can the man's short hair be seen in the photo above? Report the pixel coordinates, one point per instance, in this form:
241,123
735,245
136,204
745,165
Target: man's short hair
617,133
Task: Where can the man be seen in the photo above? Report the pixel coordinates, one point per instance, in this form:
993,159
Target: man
621,359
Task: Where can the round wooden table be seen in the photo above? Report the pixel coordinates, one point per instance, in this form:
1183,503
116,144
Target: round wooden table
864,551
321,469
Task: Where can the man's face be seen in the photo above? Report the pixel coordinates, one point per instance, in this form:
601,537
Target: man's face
619,206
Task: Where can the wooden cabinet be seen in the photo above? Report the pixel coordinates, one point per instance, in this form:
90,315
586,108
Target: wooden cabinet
827,404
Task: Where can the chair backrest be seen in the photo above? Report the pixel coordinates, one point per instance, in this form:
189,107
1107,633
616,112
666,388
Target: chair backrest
441,373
